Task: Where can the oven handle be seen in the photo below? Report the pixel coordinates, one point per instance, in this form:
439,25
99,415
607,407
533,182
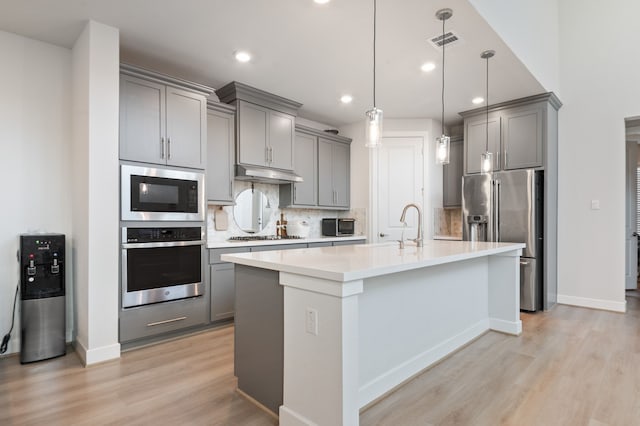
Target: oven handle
163,244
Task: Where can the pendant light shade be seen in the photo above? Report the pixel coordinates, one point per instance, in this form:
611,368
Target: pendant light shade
373,120
486,159
373,128
442,143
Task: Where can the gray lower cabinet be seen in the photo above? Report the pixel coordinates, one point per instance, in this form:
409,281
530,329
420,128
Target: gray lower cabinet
162,119
222,283
324,244
220,153
279,247
222,291
333,174
151,320
452,175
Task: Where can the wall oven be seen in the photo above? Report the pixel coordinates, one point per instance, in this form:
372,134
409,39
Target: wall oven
161,264
150,193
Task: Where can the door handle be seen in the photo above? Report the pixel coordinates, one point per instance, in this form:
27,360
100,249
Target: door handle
162,148
382,235
168,148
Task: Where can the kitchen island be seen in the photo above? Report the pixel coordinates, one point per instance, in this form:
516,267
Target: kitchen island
335,328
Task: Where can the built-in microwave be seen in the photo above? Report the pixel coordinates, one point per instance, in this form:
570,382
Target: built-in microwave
151,193
336,227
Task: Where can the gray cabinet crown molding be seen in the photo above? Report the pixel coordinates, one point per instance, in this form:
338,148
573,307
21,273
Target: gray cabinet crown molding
549,97
240,91
322,134
135,71
220,107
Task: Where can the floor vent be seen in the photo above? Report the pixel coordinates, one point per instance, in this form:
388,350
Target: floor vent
450,39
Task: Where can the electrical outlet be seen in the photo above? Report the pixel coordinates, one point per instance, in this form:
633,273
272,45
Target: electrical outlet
312,321
595,204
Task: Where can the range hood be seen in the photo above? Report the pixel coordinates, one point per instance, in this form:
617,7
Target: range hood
265,175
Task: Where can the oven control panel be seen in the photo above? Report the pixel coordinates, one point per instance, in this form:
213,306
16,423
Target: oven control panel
154,235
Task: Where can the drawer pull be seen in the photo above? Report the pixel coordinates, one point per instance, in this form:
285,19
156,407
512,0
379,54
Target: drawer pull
151,324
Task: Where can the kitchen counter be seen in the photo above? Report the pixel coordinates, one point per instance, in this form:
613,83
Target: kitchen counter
226,243
347,324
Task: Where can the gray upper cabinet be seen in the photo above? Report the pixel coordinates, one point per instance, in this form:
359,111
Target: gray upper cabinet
476,142
265,137
323,161
517,133
220,153
522,137
303,194
452,175
265,126
162,119
333,173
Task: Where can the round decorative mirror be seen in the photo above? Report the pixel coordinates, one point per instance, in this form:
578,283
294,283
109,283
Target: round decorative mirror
252,211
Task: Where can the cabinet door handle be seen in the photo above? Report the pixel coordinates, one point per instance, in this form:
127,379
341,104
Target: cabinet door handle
270,155
162,148
505,160
168,148
151,324
231,188
266,154
295,193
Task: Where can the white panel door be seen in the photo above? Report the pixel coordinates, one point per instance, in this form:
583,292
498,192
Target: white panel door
631,238
400,182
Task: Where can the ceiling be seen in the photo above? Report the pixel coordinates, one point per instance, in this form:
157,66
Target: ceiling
303,51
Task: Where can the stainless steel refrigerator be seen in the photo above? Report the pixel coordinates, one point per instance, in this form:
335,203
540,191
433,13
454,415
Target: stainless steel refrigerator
508,207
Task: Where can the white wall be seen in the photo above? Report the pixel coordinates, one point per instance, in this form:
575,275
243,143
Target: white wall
530,29
598,84
95,74
361,168
34,143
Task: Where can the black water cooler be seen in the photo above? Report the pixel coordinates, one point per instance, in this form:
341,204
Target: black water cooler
42,297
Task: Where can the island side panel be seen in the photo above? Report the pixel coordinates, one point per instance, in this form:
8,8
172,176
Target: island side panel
259,318
412,319
321,370
504,292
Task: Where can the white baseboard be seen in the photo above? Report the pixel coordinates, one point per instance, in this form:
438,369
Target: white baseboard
291,418
585,302
508,327
398,375
96,355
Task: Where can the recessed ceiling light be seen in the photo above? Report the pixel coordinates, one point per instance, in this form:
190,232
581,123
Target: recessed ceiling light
345,99
242,56
428,66
477,100
321,1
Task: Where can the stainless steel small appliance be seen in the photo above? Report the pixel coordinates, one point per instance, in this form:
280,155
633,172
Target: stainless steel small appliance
338,227
508,207
160,194
161,264
42,291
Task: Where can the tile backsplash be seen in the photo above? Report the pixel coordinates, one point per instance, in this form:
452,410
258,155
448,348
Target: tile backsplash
447,222
312,216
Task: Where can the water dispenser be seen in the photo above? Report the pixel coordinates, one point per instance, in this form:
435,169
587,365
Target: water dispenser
477,227
42,297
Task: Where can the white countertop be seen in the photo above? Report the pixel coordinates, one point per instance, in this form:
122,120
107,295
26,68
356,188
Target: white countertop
447,237
354,262
227,244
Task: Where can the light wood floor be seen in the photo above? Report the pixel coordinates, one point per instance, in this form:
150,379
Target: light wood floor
571,366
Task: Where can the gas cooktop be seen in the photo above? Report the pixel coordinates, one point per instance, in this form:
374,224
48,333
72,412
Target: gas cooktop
263,238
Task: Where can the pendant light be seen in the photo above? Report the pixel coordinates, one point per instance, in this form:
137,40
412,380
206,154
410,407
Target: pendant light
373,123
442,143
486,159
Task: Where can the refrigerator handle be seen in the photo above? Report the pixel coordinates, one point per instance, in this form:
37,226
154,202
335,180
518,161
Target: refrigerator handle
496,212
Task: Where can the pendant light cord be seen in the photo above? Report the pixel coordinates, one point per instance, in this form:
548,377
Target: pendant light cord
487,109
443,44
374,53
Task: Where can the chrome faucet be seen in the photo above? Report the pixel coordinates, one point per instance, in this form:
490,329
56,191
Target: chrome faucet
419,238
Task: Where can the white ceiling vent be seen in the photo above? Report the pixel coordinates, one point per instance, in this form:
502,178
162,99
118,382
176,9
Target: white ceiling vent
450,39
